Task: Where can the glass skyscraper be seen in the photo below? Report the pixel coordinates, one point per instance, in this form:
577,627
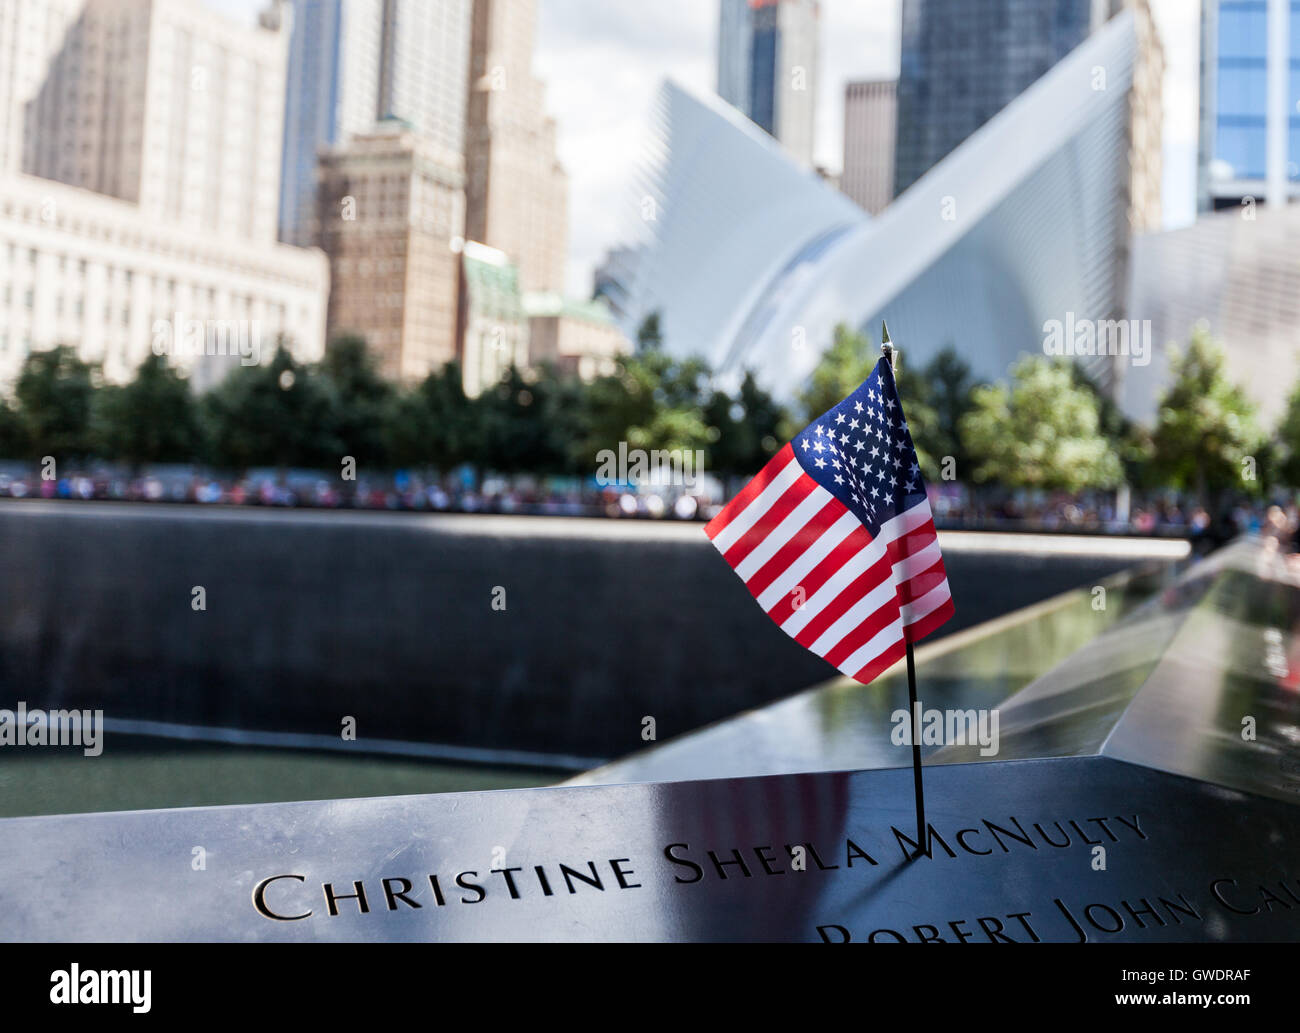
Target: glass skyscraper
767,67
1250,91
963,61
353,62
332,91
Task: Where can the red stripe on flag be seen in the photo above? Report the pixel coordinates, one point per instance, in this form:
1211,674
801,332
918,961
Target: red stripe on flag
769,521
799,543
917,538
930,622
852,593
923,581
750,492
893,652
864,632
856,540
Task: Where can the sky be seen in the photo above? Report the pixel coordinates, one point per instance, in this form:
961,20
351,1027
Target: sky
603,60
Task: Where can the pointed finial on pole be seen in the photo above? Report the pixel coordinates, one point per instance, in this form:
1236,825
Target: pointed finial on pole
891,353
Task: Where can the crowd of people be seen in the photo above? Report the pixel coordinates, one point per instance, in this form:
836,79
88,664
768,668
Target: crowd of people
314,490
954,507
1161,516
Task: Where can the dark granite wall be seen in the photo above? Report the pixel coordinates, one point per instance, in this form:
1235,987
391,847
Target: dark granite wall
388,618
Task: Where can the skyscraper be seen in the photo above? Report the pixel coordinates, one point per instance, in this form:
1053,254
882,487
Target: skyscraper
31,32
767,67
516,192
354,62
1027,220
424,78
167,104
735,41
963,61
150,222
332,91
870,114
1250,102
392,206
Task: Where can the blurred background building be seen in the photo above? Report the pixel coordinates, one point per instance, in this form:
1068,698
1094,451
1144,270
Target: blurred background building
516,191
355,62
31,33
170,106
1009,175
145,205
401,129
1241,279
1236,269
494,325
767,67
80,268
579,338
1250,102
611,277
1028,218
870,127
962,62
391,202
333,91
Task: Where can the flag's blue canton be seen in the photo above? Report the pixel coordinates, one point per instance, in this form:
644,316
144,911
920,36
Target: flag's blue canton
862,453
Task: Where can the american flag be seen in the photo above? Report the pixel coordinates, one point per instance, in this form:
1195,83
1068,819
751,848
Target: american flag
835,538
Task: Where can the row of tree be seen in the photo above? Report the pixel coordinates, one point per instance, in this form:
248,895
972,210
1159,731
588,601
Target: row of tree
1047,428
290,414
1050,428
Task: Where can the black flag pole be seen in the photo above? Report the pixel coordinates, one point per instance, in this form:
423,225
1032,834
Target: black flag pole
891,353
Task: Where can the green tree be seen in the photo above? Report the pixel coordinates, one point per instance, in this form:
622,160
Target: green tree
841,370
518,427
153,419
923,425
1288,441
14,443
359,398
744,430
1131,441
1042,431
433,424
54,392
1205,435
652,401
279,414
648,334
935,403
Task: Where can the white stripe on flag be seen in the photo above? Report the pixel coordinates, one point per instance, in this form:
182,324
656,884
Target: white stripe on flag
857,565
859,562
786,581
759,505
866,607
927,604
784,531
908,567
877,644
853,616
